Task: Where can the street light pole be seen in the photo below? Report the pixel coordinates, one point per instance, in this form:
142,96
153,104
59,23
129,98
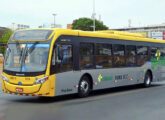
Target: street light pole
94,26
13,26
54,19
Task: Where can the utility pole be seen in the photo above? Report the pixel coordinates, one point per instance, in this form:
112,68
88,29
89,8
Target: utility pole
100,18
13,26
129,23
94,26
54,19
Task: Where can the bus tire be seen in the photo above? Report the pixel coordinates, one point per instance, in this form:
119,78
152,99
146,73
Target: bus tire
84,87
147,80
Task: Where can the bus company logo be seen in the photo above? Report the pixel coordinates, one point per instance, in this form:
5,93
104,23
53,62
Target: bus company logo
100,78
158,54
20,74
19,83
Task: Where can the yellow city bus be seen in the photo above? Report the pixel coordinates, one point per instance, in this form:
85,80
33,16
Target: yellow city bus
53,62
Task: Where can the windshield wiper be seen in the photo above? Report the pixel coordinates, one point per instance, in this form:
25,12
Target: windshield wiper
19,50
20,55
30,49
8,50
18,46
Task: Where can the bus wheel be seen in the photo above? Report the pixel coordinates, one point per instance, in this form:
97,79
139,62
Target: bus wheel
147,80
84,87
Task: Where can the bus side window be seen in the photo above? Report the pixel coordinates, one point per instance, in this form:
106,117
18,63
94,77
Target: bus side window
119,56
131,55
154,50
64,59
86,55
103,55
161,56
142,55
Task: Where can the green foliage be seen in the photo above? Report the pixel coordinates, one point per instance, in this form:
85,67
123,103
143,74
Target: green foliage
4,40
2,49
87,23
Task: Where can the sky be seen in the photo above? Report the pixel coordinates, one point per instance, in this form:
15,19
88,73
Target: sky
114,13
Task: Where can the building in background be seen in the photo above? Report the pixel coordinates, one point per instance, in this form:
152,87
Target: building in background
69,26
18,26
151,31
47,25
56,26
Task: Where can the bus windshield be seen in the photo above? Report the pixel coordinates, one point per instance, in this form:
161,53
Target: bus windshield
26,57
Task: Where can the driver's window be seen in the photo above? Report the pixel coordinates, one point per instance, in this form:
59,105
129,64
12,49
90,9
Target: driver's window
62,58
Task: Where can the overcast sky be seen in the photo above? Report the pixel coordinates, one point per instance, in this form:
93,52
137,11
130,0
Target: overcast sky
114,13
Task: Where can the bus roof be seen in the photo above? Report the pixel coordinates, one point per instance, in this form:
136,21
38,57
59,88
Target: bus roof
103,34
109,34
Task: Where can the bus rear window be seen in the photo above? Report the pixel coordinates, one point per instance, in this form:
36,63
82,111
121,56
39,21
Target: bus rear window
32,35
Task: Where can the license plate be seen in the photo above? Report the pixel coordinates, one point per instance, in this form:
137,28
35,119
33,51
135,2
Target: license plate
19,89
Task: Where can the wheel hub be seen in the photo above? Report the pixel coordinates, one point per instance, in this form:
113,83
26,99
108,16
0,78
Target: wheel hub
84,86
148,81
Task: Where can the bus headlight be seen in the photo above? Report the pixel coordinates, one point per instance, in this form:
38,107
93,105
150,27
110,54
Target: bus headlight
41,81
4,78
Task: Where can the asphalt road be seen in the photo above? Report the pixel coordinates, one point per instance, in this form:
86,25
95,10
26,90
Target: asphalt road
124,103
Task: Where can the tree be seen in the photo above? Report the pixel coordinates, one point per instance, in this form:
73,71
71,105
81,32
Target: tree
4,40
87,23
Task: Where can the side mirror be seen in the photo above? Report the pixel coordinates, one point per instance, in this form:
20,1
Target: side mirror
60,53
8,50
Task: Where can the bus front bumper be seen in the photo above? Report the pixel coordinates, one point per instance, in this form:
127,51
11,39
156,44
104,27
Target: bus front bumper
34,90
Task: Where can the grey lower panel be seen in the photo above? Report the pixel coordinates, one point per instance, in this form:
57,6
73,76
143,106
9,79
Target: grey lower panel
67,82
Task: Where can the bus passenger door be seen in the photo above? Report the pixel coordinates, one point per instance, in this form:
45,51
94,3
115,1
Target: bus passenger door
63,69
161,62
155,63
121,70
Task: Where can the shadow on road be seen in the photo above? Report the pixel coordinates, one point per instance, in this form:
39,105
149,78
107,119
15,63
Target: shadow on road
122,89
110,91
